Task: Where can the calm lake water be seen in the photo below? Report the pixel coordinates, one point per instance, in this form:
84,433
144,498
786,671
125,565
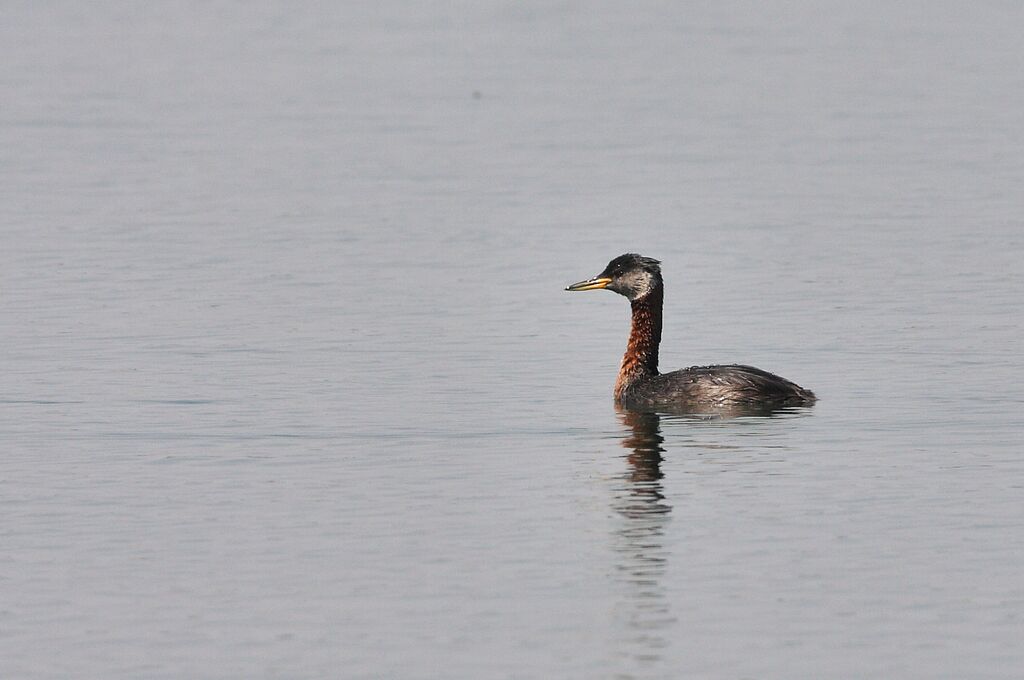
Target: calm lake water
290,387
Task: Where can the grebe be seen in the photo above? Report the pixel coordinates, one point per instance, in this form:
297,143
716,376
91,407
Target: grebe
639,279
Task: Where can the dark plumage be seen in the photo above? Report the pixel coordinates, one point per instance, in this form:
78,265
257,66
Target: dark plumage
640,384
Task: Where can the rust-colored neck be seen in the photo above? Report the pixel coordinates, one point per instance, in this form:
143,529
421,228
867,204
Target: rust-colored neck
641,358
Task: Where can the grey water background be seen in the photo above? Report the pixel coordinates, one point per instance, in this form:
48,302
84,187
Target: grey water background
290,387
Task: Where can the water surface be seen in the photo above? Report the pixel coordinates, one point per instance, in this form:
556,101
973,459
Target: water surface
291,389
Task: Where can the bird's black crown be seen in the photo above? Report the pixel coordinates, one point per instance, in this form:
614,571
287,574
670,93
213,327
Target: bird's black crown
631,262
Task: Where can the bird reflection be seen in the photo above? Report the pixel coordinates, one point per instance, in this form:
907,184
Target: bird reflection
644,441
639,540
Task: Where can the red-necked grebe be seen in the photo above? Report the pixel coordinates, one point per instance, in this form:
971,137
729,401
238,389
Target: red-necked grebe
640,384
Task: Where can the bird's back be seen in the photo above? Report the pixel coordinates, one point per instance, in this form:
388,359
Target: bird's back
724,384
